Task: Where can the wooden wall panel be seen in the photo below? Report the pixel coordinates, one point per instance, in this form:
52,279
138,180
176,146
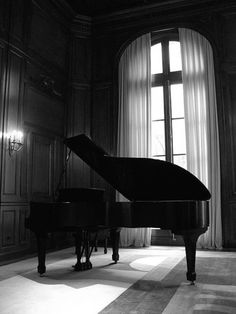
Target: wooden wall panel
17,23
229,37
79,110
13,234
9,177
103,58
43,110
48,38
41,180
102,116
4,14
79,100
80,61
79,122
23,171
102,132
12,117
9,227
13,91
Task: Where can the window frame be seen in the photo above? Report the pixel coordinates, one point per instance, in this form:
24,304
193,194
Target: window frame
165,79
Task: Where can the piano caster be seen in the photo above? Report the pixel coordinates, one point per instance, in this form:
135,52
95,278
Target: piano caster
115,258
41,270
191,277
41,274
83,266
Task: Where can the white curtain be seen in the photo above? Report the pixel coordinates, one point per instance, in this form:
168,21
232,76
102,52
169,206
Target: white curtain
134,118
203,157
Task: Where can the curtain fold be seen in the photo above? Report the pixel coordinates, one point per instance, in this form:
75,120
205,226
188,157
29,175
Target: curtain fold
134,118
202,136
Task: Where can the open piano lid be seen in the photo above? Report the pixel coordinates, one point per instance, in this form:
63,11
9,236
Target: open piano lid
139,179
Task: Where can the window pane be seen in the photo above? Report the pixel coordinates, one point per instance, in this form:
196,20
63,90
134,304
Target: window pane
181,161
177,100
175,56
158,138
157,103
156,59
179,142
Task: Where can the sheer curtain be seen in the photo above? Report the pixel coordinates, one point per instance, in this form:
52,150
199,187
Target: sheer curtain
134,118
203,158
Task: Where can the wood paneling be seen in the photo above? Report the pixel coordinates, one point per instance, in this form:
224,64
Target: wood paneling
17,20
102,116
12,117
42,110
103,128
41,180
9,226
13,234
4,17
229,37
103,58
48,37
79,122
79,110
79,104
32,99
80,62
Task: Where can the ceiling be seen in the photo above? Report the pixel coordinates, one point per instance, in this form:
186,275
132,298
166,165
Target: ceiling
100,7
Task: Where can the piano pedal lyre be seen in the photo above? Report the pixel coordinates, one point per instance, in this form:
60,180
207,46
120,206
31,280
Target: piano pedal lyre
84,248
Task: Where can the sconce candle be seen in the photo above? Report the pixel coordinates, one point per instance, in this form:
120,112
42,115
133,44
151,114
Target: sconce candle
15,141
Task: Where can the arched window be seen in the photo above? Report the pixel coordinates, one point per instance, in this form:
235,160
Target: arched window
167,110
167,106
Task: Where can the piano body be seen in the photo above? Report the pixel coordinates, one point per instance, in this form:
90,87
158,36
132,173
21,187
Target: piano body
160,195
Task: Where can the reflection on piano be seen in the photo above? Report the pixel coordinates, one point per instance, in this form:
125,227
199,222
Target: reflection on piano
160,195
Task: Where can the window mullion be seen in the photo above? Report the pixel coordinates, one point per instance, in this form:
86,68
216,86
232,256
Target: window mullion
167,105
168,124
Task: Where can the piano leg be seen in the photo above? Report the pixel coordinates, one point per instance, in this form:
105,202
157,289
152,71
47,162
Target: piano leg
41,246
115,239
190,240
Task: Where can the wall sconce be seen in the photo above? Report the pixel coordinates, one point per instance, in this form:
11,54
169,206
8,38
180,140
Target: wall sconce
15,142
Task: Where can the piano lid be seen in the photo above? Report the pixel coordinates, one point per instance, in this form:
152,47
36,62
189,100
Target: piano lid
139,179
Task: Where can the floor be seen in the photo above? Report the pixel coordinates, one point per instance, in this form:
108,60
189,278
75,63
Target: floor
62,291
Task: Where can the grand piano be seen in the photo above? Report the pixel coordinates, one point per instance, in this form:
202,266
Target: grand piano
159,194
